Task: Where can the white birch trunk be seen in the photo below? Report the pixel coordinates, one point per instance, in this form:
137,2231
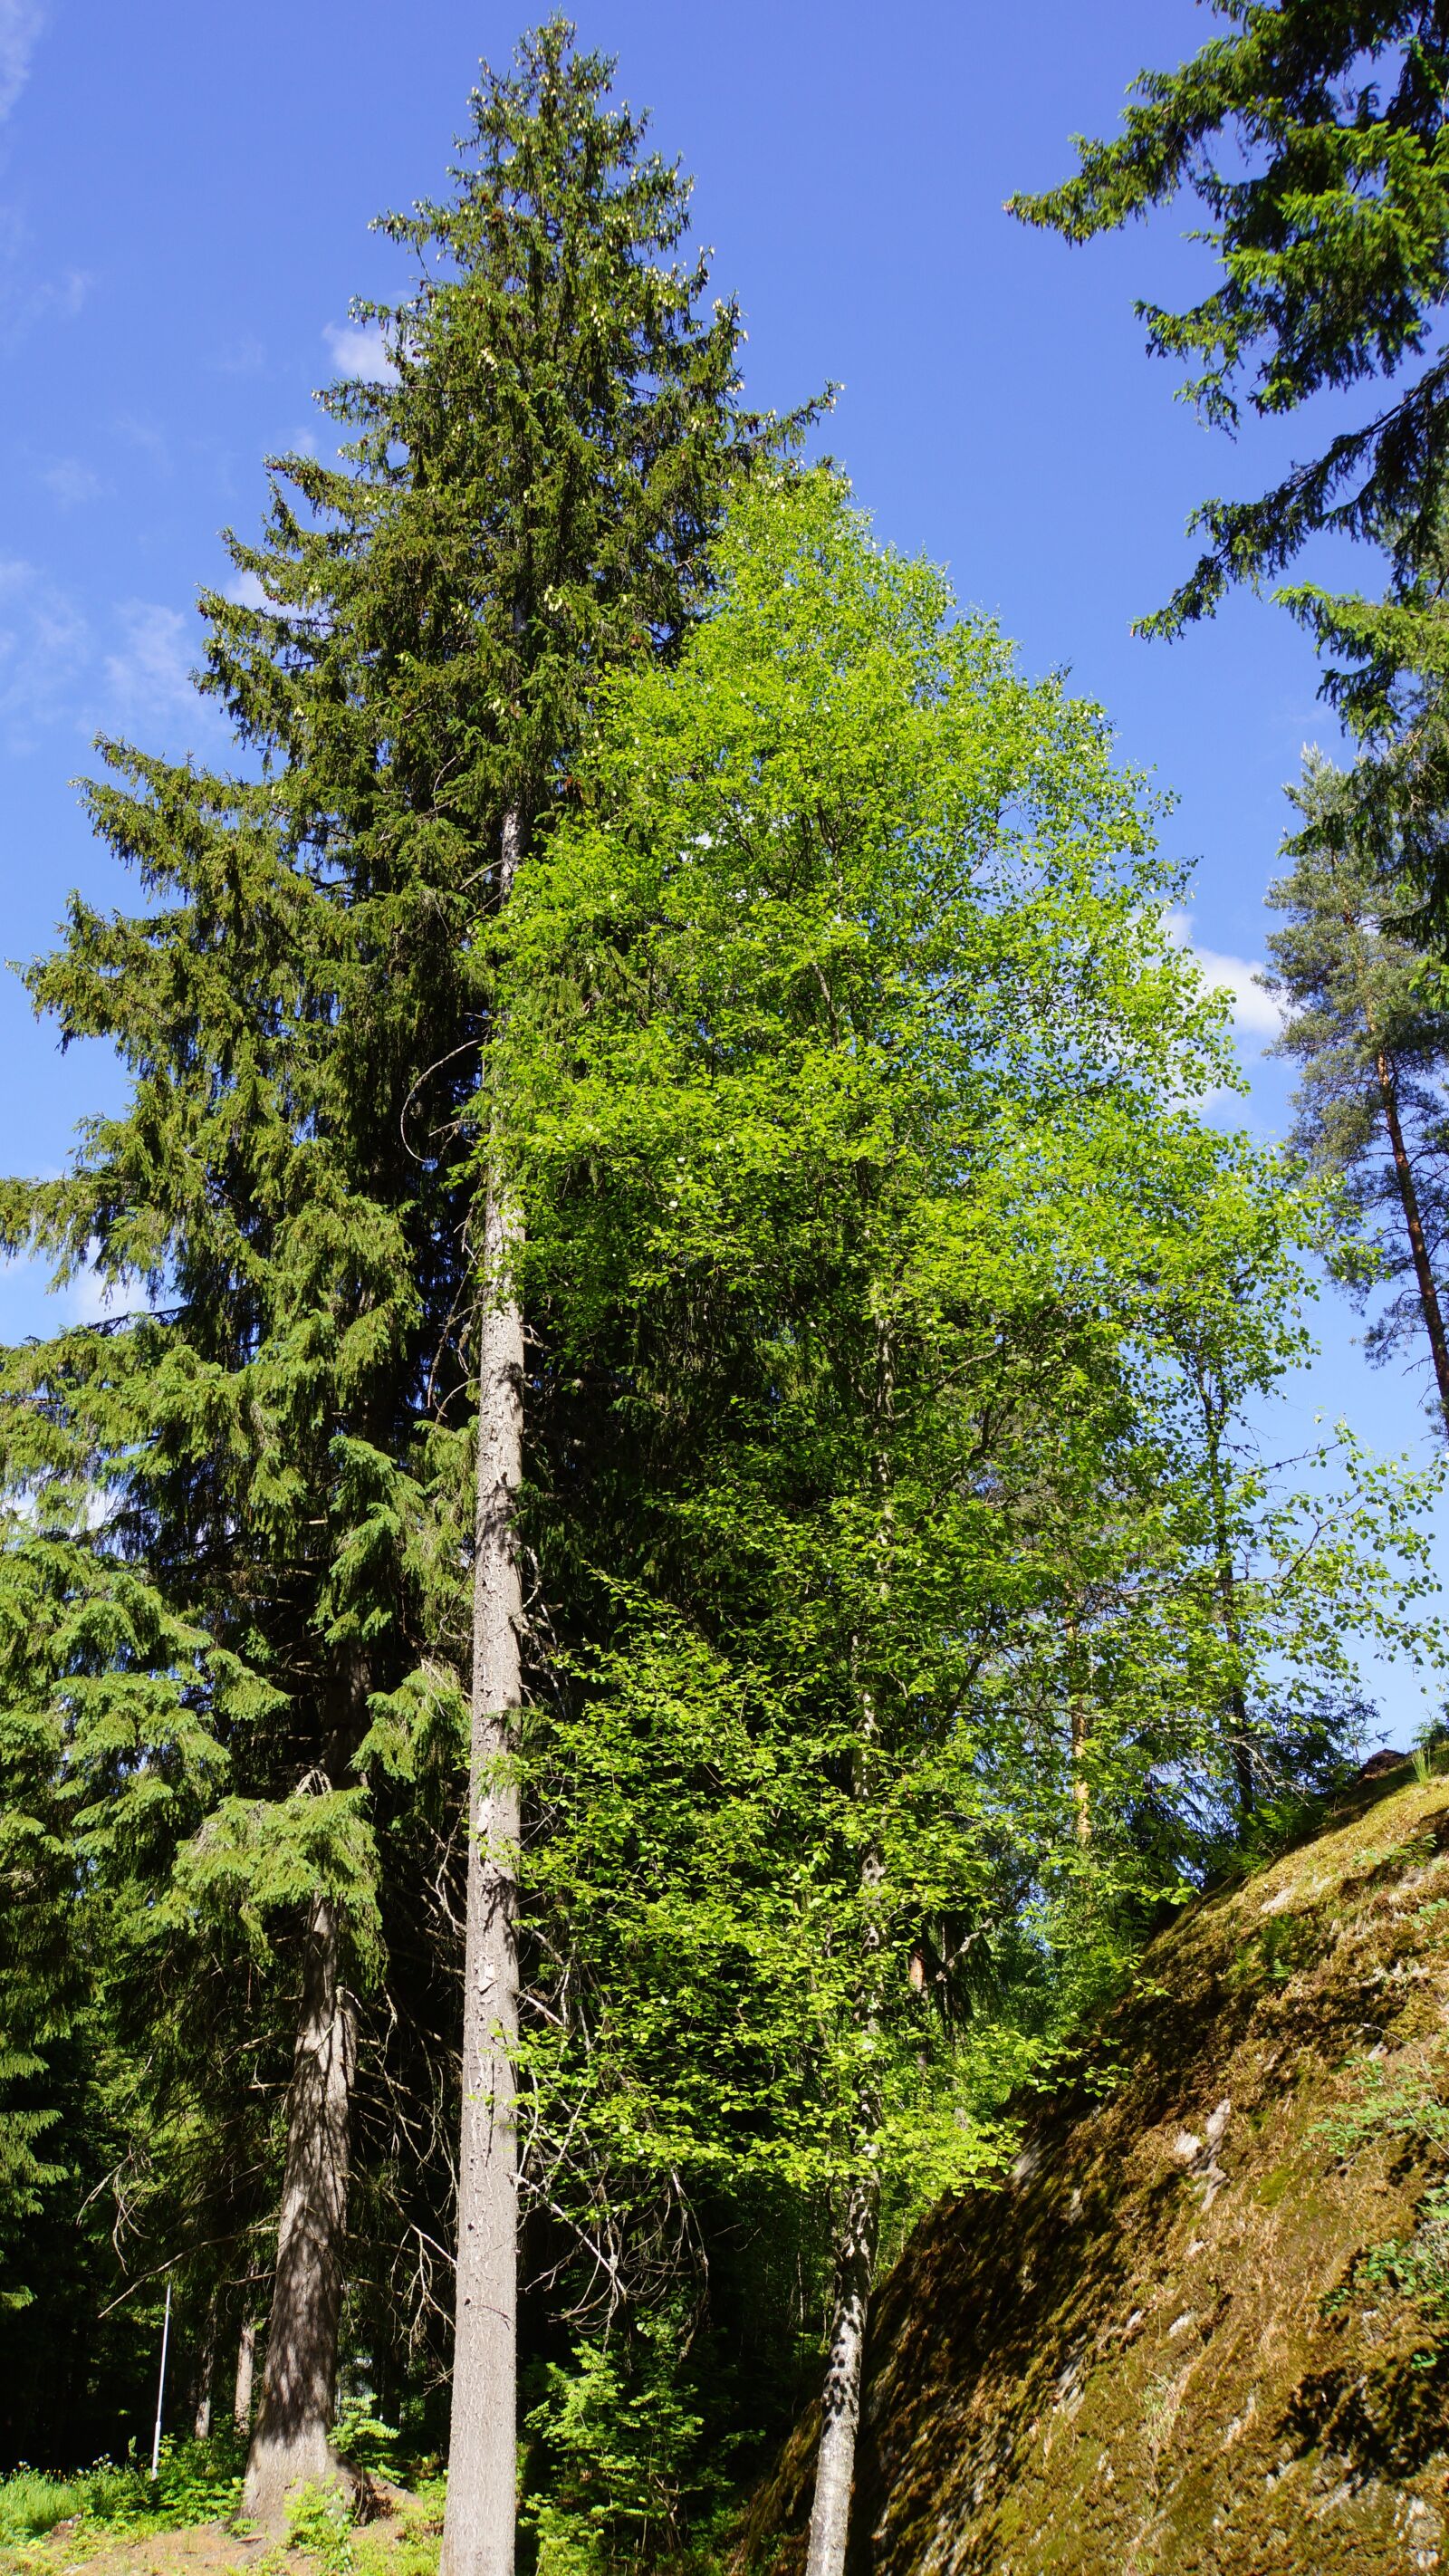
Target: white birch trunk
844,2369
478,2528
292,2444
246,2354
205,2374
855,2241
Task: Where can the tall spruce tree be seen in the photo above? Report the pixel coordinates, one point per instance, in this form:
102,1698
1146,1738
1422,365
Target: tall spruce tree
522,506
558,447
224,1470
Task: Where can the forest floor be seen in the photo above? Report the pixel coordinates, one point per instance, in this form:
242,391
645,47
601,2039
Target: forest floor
403,2543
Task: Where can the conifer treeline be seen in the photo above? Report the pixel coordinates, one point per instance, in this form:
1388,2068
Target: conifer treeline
663,1491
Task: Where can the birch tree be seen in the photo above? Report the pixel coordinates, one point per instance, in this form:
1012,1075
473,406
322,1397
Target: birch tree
840,1024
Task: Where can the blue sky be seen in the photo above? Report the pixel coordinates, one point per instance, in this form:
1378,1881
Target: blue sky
184,201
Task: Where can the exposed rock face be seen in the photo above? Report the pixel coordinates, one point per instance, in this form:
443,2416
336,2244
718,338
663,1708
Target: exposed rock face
1166,2347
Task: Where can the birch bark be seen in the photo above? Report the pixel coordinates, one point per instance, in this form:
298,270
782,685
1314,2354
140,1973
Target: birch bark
478,2529
855,2241
205,2374
844,2370
292,2443
246,2353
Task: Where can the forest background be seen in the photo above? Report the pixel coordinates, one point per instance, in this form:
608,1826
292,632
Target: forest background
995,430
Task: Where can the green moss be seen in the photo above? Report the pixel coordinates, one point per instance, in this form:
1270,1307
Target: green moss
1165,2386
1273,2187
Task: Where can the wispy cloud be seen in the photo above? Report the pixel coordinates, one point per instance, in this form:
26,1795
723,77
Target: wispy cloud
45,646
356,349
56,670
70,483
20,24
29,295
241,357
90,1299
148,438
151,674
1255,1013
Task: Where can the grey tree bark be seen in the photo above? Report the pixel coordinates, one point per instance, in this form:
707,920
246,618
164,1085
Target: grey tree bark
1424,1279
205,2374
844,2370
1414,1226
292,2444
246,2354
1078,1669
479,2523
855,2240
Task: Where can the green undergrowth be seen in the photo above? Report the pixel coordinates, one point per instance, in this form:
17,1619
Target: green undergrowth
197,2483
1410,2116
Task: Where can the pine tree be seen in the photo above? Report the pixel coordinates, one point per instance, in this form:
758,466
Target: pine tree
1372,1039
1313,135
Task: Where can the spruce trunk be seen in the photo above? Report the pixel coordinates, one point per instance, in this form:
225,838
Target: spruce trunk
478,2529
292,2444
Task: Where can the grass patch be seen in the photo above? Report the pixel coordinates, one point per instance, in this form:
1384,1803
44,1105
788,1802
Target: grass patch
195,2482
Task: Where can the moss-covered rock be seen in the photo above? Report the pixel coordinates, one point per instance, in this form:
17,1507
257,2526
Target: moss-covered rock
1182,2339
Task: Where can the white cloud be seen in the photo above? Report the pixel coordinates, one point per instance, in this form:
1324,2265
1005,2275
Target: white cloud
90,1299
356,349
20,24
1255,1013
152,671
148,438
54,670
69,482
242,357
45,646
247,590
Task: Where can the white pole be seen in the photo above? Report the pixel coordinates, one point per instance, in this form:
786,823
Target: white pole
161,2386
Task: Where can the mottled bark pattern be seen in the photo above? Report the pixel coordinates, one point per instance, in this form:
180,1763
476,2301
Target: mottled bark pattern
860,2216
246,2354
292,2442
478,2529
205,2375
840,2405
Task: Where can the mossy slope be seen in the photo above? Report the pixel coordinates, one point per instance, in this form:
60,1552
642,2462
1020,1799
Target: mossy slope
1158,2351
